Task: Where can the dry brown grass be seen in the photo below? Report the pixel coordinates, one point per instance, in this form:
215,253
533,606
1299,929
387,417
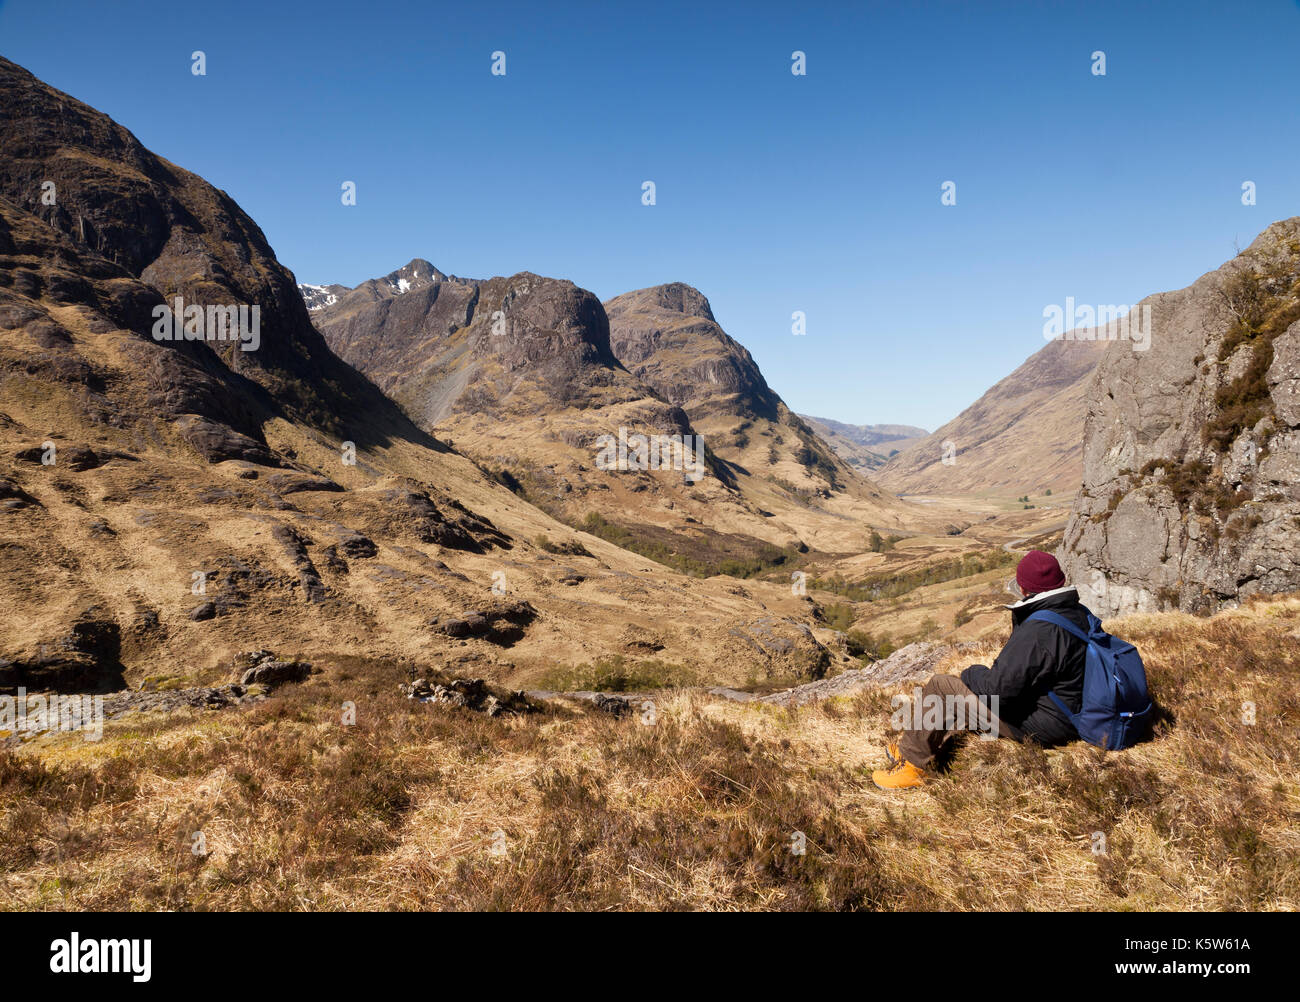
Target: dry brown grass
696,811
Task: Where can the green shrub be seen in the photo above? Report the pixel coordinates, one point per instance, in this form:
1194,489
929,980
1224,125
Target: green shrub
884,586
1262,305
866,647
839,617
714,553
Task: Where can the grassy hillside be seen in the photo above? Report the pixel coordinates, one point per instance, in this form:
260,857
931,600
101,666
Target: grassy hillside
697,810
1022,436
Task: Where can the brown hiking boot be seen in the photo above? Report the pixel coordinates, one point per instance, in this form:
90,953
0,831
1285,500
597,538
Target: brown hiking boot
903,776
892,753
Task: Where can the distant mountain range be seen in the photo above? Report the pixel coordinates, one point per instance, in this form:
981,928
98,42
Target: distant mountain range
518,371
865,446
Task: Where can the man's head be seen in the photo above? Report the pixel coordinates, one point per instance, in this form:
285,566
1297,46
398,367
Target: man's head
1039,572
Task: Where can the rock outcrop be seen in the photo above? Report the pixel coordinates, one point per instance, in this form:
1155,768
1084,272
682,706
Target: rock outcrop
913,662
84,658
264,667
1191,480
501,622
469,694
788,646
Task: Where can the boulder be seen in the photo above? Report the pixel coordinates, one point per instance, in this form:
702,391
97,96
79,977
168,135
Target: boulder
12,496
217,442
295,545
264,668
86,658
501,623
468,693
787,646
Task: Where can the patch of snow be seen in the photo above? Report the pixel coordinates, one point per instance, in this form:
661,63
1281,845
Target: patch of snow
316,296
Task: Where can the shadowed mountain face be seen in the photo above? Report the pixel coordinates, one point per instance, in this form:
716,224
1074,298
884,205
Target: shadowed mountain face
668,337
167,504
91,181
1191,453
1022,436
441,345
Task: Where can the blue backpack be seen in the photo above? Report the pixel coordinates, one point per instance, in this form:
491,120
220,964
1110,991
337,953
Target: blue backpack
1116,710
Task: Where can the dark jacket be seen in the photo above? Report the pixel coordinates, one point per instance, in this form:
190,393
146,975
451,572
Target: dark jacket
1038,659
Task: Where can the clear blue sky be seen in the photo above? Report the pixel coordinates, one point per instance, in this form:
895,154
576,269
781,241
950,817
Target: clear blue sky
776,193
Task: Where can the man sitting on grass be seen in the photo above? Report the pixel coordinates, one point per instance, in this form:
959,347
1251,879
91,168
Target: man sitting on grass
1012,699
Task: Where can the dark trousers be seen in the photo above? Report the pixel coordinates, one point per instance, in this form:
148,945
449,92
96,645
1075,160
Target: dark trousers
948,708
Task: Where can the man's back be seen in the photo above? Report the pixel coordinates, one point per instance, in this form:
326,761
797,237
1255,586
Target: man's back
1038,659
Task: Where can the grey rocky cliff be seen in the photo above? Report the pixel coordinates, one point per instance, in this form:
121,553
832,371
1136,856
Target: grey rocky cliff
1191,484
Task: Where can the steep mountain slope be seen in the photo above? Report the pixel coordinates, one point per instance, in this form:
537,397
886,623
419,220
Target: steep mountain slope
519,370
1191,480
865,447
668,337
165,504
91,180
1022,436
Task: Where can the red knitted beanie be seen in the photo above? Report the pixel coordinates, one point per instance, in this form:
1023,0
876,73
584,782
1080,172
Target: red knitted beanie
1039,572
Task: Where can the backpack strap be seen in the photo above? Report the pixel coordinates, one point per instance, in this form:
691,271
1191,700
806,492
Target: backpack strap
1056,619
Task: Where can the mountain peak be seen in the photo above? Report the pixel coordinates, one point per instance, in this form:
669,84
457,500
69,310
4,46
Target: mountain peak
667,337
676,297
415,274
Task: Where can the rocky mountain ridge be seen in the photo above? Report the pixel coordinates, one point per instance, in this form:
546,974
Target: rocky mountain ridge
529,375
668,337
